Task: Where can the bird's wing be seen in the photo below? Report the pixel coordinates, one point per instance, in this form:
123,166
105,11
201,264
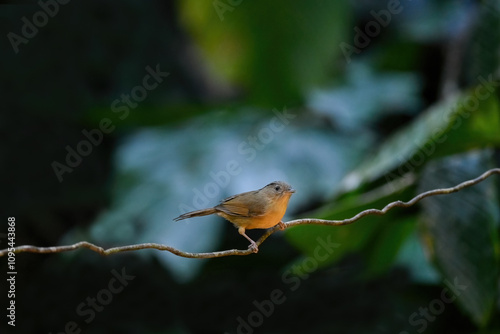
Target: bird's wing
238,205
233,209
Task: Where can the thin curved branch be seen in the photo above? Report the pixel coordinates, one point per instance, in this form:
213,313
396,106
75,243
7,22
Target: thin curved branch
305,221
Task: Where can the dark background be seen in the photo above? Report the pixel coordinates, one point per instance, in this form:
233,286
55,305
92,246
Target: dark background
385,99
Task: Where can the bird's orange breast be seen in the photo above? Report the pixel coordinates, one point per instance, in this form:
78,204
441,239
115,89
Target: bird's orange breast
270,218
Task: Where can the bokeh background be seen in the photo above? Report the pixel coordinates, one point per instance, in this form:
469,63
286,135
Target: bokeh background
119,116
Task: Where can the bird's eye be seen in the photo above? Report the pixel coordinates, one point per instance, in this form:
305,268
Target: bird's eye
277,188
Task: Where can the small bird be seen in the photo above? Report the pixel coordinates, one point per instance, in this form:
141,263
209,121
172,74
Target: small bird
263,208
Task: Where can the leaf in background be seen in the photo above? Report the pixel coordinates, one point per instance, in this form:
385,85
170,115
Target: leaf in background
403,144
364,98
438,132
383,251
379,236
460,230
275,50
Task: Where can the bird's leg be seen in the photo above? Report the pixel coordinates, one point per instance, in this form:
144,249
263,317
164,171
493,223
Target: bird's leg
253,245
282,225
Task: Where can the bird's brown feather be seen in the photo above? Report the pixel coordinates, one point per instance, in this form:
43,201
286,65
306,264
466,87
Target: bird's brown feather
239,205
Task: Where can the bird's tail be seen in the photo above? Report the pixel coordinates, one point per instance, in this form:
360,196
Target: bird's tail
197,213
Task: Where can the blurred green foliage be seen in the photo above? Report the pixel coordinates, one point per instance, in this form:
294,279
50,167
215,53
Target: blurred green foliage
265,87
275,50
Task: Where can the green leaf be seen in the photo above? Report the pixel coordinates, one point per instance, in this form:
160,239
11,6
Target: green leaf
275,50
382,253
440,131
460,230
369,233
458,124
403,145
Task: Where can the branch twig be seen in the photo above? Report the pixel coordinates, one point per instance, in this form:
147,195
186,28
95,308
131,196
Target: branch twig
109,251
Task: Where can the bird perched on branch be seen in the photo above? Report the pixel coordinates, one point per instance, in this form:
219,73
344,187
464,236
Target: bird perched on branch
263,208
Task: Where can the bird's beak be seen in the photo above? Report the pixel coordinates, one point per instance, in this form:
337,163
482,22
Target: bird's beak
291,190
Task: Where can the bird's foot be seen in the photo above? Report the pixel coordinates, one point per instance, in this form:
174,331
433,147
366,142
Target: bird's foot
282,225
253,246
